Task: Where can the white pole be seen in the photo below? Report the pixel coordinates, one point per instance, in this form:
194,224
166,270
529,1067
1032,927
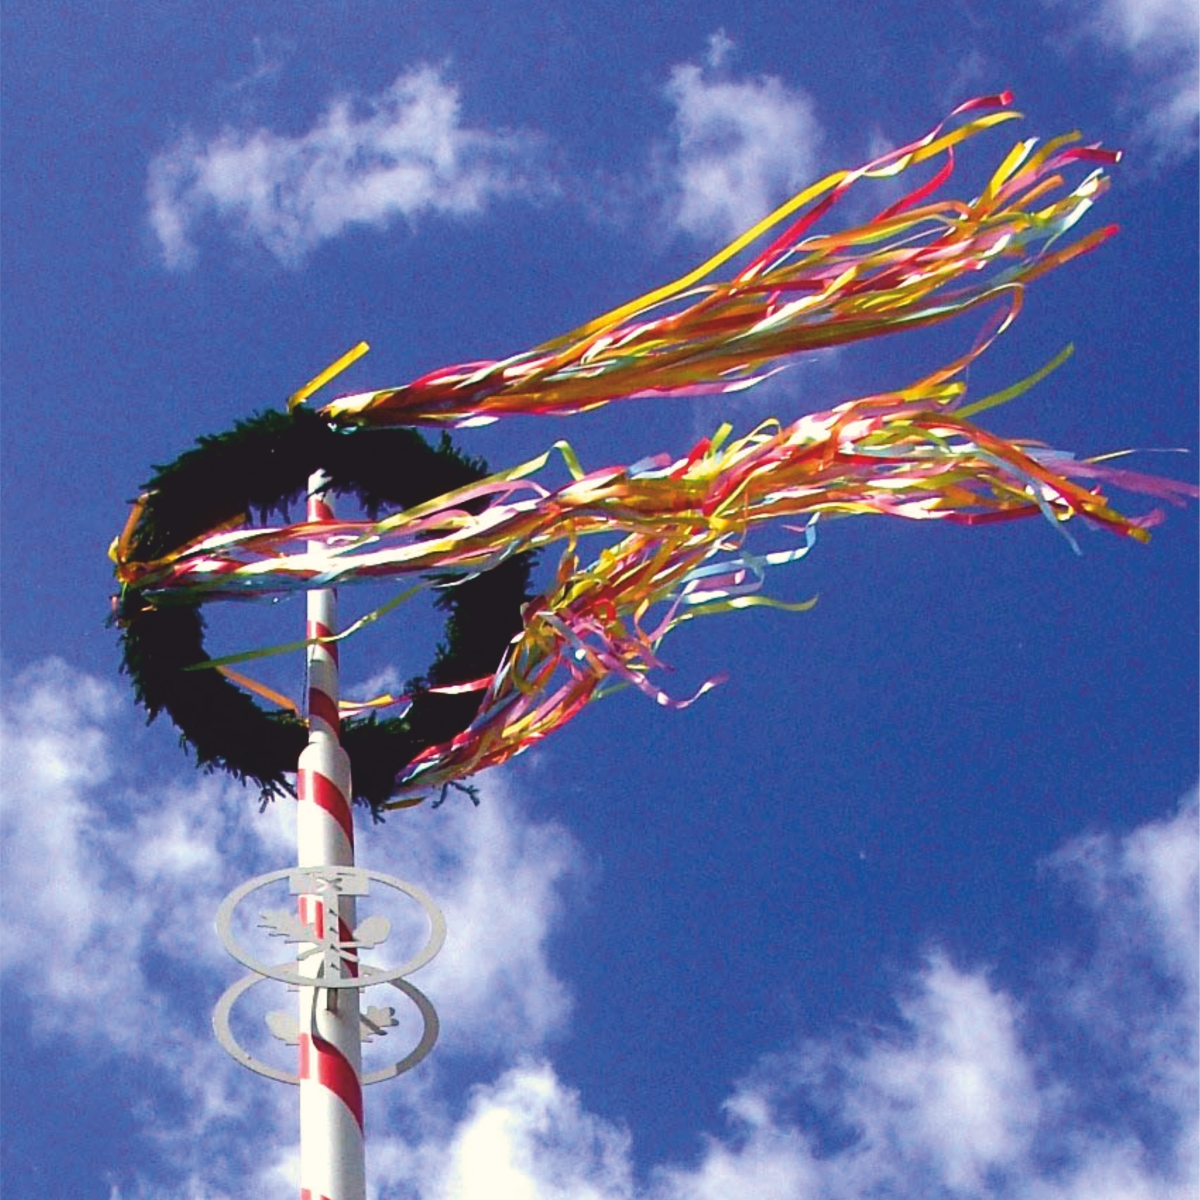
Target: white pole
331,1110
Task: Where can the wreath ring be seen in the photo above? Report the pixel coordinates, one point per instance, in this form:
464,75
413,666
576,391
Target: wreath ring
262,465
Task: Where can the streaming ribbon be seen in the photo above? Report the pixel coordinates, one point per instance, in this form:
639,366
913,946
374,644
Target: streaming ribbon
686,526
685,529
919,261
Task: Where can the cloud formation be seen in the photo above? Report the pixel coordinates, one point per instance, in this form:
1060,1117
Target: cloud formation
1080,1084
968,1094
499,881
1161,41
91,869
401,154
740,146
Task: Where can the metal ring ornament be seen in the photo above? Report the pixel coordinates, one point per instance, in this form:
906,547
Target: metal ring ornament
368,976
224,1032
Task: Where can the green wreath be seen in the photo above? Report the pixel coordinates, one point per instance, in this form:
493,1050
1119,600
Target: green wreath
262,466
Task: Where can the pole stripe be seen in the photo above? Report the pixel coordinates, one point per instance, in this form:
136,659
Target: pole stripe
322,681
311,912
319,509
317,629
323,708
324,793
323,1062
350,955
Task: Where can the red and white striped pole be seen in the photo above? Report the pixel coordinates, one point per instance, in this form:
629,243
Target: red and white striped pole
332,1165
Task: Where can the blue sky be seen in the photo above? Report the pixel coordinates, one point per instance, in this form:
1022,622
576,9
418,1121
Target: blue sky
906,907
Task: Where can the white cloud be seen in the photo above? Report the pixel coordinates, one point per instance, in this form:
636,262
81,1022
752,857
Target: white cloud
387,681
115,884
401,154
720,49
945,1103
1153,871
966,1095
498,879
79,912
527,1138
53,751
1161,41
1151,26
960,1078
741,146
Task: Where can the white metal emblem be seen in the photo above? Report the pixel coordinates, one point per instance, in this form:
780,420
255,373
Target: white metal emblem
340,965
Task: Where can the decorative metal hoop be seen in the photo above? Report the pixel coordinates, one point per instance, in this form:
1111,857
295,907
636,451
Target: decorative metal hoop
225,1035
286,973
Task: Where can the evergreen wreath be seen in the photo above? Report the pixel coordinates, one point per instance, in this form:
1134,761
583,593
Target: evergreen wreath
262,466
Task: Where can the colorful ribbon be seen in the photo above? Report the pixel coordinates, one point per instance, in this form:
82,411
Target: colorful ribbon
689,529
919,261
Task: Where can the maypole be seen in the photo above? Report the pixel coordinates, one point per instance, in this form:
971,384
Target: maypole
329,1027
331,1108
